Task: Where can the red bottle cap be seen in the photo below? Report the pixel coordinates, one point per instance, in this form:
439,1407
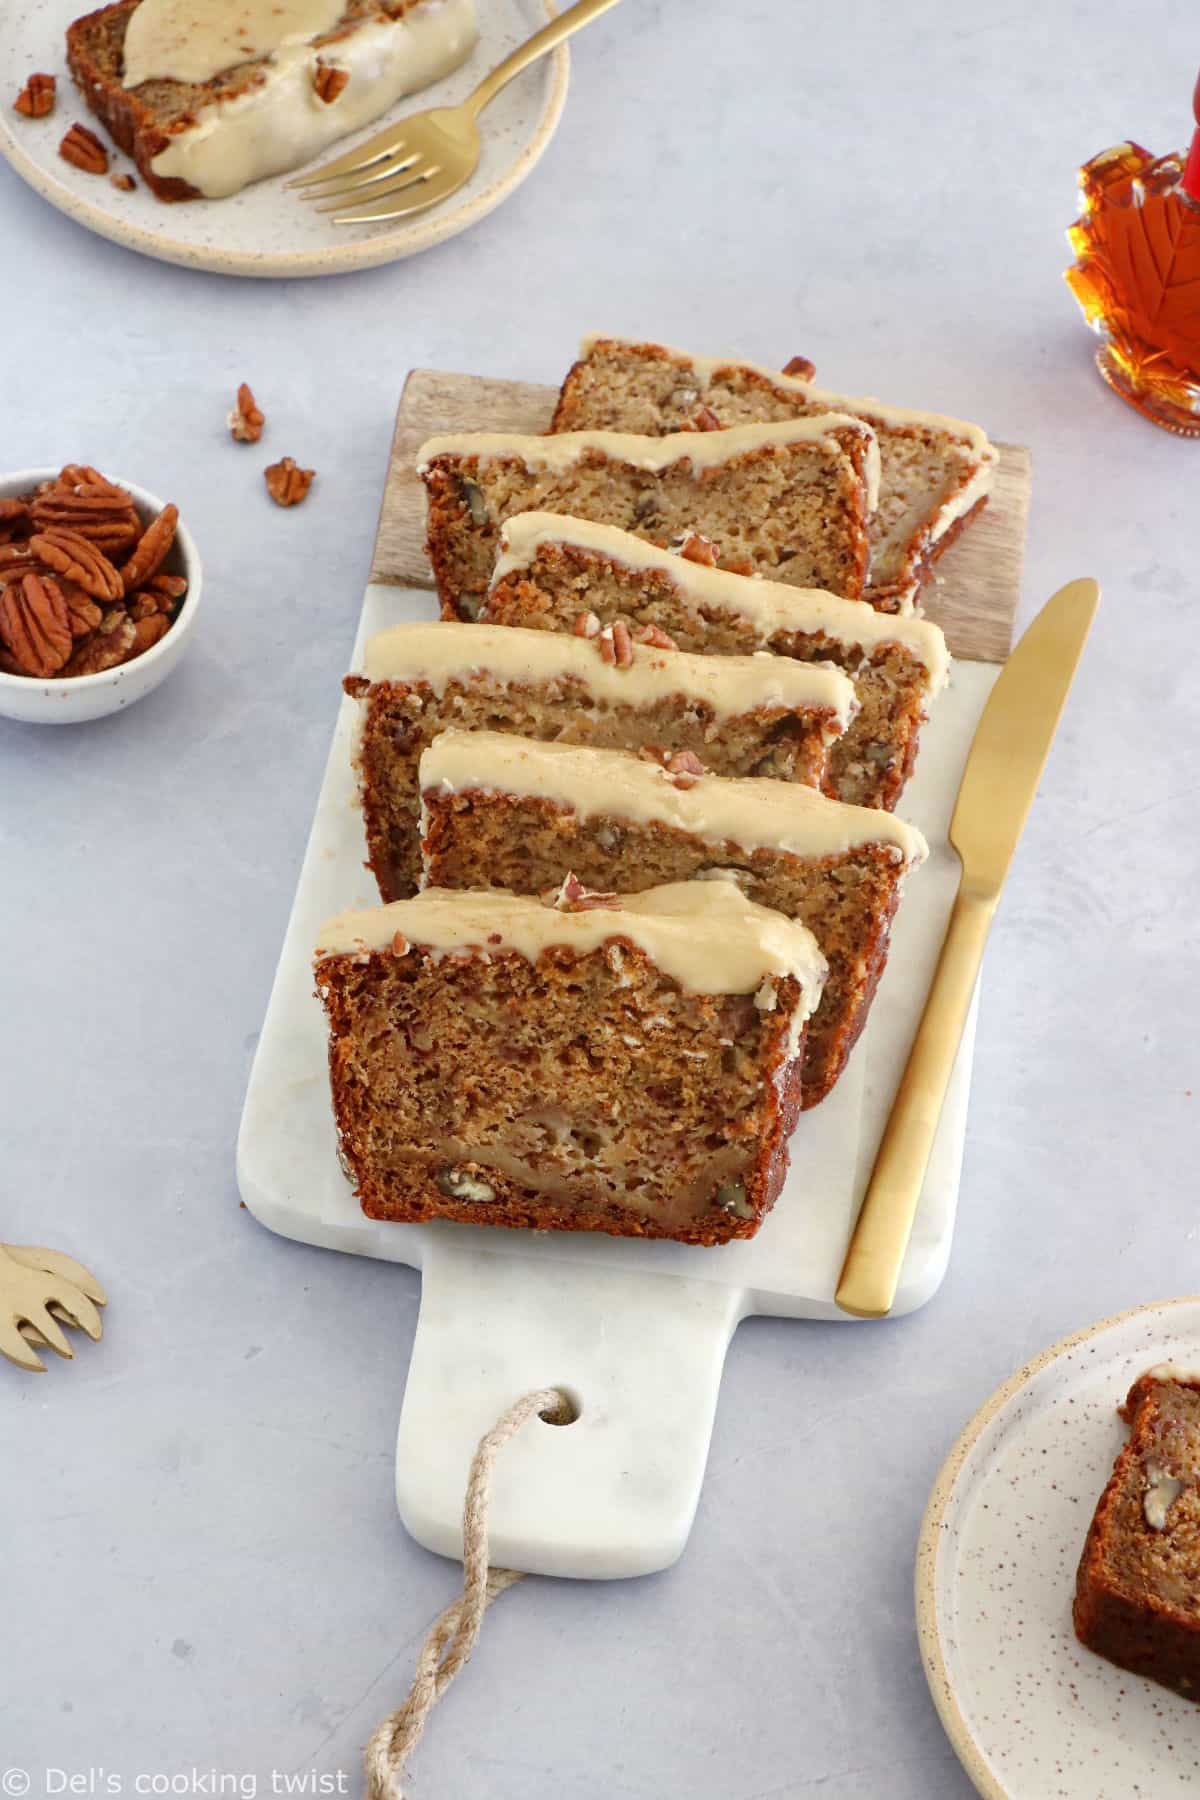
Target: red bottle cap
1191,173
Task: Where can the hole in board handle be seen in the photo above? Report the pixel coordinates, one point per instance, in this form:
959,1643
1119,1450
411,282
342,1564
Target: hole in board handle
567,1411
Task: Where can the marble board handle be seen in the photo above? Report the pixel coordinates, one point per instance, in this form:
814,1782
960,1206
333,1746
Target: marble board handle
612,1494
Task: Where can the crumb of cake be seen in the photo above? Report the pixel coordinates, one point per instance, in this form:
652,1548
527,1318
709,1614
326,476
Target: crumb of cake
83,149
66,607
247,419
287,483
36,99
124,182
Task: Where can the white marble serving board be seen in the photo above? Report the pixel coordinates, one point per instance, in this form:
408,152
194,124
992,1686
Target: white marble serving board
636,1330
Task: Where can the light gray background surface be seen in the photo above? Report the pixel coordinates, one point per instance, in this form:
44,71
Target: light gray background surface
203,1566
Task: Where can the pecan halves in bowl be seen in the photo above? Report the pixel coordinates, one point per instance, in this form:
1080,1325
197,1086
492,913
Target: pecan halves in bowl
82,500
69,554
35,625
152,550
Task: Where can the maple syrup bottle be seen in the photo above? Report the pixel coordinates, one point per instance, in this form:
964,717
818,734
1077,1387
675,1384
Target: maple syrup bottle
1137,276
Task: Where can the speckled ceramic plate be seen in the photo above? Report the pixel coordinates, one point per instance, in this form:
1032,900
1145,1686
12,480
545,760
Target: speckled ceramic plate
1030,1712
264,230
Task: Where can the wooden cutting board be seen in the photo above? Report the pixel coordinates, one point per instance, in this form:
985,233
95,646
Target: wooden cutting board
973,595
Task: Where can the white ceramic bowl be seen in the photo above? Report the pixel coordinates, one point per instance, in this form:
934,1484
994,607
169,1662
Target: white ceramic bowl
70,702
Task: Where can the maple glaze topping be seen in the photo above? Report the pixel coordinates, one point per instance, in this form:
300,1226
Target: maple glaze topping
180,40
753,811
769,606
442,651
705,935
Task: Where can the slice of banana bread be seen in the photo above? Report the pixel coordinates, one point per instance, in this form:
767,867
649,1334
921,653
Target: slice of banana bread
936,471
242,117
520,814
744,715
554,572
789,500
590,1064
1137,1593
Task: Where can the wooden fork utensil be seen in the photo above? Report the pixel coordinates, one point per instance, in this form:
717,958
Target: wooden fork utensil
40,1291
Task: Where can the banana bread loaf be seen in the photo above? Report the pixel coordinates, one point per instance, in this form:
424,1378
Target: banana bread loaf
1137,1592
555,572
744,715
520,814
599,1064
935,474
788,500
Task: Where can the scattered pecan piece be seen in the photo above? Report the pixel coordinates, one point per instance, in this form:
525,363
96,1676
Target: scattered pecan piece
572,896
34,624
69,554
152,550
82,500
14,519
287,483
36,98
800,367
399,944
124,182
655,636
328,81
247,419
84,149
738,565
586,625
110,644
705,419
605,645
148,631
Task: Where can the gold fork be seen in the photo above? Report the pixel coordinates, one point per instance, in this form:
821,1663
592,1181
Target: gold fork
426,158
37,1289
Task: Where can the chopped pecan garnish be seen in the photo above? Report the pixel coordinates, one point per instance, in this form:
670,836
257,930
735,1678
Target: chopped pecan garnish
84,149
586,625
124,182
655,637
328,81
738,565
572,896
694,547
800,367
705,419
110,644
34,624
82,500
605,645
247,419
287,483
36,98
152,550
69,554
686,768
622,645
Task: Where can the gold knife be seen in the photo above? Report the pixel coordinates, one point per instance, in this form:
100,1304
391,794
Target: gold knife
1003,769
